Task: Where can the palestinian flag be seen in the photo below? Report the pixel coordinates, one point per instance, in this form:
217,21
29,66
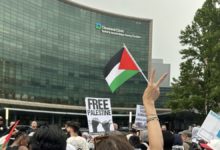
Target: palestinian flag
5,139
120,68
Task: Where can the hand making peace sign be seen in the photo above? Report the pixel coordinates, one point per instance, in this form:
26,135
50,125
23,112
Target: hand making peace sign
152,92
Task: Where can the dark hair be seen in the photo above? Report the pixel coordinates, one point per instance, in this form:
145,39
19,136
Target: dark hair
134,141
112,142
177,140
75,126
168,138
48,138
133,130
19,134
2,118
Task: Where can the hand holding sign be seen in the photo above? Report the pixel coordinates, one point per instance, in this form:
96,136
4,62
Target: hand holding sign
95,123
106,125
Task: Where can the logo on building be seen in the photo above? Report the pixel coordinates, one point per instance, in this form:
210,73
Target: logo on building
115,31
98,26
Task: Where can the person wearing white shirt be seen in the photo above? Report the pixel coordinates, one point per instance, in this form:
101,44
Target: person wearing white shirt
75,140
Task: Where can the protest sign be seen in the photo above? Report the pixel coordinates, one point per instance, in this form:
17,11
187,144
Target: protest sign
214,144
99,114
210,128
140,119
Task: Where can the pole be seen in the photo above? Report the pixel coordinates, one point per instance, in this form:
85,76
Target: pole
136,63
6,116
130,120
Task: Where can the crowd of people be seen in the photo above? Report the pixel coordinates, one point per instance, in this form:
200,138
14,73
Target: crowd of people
155,137
71,138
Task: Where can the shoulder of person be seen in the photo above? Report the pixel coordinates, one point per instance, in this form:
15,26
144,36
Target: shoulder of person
81,138
142,146
70,147
186,146
145,144
22,148
69,139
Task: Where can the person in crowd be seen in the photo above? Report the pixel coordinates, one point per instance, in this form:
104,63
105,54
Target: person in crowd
33,129
186,138
178,143
70,147
168,139
20,142
177,140
115,126
195,137
89,139
34,125
11,124
116,131
164,127
75,140
133,132
112,142
65,128
48,138
144,137
3,128
86,136
150,95
136,143
195,130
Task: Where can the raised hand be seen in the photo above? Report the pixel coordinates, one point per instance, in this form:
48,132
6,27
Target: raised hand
150,95
152,92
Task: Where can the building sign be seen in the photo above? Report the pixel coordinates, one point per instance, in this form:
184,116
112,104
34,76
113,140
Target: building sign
114,31
99,114
140,118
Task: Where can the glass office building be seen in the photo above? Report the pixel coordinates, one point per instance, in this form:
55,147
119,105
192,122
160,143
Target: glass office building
54,51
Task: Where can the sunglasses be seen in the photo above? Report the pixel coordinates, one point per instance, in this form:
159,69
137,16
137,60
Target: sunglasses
1,119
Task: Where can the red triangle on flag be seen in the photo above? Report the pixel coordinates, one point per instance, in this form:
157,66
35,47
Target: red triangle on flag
127,62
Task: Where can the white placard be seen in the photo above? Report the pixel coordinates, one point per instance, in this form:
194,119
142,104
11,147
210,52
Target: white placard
210,128
214,144
99,114
140,118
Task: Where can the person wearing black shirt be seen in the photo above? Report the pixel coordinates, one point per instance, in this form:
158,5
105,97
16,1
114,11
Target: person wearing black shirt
3,128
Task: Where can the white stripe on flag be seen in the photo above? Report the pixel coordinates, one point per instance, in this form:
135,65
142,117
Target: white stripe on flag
113,74
2,139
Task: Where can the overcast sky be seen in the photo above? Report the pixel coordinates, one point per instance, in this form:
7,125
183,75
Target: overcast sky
169,17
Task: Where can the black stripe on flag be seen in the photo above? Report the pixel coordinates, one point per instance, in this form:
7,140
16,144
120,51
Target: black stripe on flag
113,61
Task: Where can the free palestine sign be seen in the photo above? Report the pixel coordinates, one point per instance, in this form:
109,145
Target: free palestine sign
99,114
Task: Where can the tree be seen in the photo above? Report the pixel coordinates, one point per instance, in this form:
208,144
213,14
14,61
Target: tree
198,86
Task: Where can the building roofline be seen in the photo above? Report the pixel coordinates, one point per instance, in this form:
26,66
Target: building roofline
57,112
71,2
67,108
68,113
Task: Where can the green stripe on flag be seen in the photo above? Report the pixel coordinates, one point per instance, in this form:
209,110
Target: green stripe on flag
119,80
2,140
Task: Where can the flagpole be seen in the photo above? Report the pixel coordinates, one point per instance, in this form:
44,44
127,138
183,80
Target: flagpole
136,63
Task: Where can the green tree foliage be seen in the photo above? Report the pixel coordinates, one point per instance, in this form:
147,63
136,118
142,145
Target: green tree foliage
198,86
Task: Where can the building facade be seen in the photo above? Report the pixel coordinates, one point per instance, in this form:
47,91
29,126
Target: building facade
54,52
165,88
161,68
